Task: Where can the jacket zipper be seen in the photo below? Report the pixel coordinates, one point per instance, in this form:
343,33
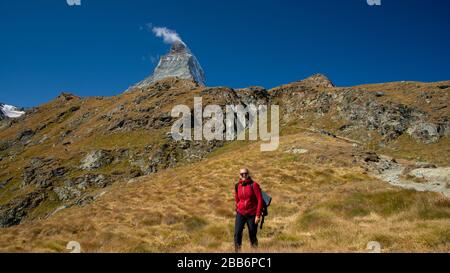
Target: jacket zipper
245,200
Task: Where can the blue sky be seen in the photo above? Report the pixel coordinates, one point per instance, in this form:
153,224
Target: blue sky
102,47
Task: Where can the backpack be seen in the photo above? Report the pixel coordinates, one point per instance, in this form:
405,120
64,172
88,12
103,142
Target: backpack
267,199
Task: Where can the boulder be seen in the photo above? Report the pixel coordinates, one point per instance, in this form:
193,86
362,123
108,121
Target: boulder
424,132
13,213
25,135
96,159
42,172
74,188
66,193
371,157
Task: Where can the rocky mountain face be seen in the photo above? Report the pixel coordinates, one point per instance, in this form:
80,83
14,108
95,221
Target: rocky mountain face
66,152
389,110
179,62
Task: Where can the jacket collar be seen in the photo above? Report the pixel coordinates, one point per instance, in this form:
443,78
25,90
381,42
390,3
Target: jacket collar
245,182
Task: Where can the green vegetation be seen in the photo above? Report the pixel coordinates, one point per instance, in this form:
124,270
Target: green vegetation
194,223
314,219
384,203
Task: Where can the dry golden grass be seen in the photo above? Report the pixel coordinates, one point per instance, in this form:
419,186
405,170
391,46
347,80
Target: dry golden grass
322,202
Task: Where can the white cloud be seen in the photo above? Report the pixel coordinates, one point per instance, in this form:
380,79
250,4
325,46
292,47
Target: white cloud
169,36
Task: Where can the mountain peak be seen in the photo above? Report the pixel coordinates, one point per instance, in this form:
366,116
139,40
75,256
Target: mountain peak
179,47
178,62
10,111
319,80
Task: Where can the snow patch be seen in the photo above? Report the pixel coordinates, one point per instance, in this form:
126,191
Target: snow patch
11,111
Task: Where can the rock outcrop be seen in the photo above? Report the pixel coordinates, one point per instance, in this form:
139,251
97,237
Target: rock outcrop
318,80
15,211
96,159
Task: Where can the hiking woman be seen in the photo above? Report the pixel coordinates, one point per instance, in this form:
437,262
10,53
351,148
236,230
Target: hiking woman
249,203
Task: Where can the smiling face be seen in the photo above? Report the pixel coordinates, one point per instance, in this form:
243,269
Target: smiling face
244,173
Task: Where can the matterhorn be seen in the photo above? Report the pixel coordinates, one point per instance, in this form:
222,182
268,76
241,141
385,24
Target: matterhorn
179,62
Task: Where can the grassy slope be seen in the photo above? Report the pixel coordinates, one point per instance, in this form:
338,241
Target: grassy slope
322,202
91,134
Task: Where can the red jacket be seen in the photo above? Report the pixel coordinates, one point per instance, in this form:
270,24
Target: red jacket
249,199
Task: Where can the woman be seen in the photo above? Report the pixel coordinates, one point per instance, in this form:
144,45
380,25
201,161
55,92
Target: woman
249,203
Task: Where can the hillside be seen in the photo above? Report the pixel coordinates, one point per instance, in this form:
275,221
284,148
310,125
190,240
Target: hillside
322,202
103,171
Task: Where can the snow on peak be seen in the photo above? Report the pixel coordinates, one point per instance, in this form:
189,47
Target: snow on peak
10,111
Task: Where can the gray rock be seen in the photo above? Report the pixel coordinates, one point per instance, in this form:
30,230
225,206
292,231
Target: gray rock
371,157
66,193
80,120
327,133
75,188
59,172
85,200
15,211
5,145
142,122
390,120
88,180
424,132
114,111
434,174
98,181
65,134
161,121
25,135
253,95
296,151
88,199
424,179
42,172
96,159
444,127
117,125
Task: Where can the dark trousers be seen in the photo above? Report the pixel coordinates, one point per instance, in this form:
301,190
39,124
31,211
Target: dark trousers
239,225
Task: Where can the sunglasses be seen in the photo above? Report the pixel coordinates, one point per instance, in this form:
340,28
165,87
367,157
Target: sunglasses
243,173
